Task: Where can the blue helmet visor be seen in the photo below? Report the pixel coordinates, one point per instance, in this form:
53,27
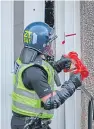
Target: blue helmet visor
50,48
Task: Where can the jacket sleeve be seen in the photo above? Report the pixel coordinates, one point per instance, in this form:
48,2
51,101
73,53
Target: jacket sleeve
67,90
35,78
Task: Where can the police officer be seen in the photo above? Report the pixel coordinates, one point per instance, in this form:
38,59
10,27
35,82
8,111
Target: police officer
34,96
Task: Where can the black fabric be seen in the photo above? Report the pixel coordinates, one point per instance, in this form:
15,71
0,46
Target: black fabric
63,63
56,78
60,97
36,78
28,55
17,123
67,90
52,103
22,123
76,79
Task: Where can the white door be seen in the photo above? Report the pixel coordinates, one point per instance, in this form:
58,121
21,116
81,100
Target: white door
6,62
66,20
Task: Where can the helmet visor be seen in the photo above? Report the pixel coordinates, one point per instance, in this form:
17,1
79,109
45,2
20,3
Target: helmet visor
50,48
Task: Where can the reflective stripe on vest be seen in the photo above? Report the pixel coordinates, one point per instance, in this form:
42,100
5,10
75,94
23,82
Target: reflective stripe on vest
29,109
25,101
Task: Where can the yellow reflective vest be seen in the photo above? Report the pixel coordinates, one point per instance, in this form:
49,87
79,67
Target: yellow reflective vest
27,102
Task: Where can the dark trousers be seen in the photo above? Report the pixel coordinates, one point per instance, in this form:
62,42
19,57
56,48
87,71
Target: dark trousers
20,122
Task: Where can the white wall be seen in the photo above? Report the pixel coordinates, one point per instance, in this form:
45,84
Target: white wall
6,61
0,65
59,119
69,18
68,21
33,11
72,25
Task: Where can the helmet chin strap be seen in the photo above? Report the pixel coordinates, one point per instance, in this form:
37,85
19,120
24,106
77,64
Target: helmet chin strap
49,59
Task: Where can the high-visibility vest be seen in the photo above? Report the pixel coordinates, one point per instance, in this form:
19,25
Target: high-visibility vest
27,102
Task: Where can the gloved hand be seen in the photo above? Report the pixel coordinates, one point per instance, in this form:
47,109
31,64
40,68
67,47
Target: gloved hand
63,63
76,79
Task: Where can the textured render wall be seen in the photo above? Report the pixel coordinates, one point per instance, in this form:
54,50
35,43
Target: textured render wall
87,51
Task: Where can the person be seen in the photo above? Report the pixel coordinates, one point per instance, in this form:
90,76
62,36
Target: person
34,96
